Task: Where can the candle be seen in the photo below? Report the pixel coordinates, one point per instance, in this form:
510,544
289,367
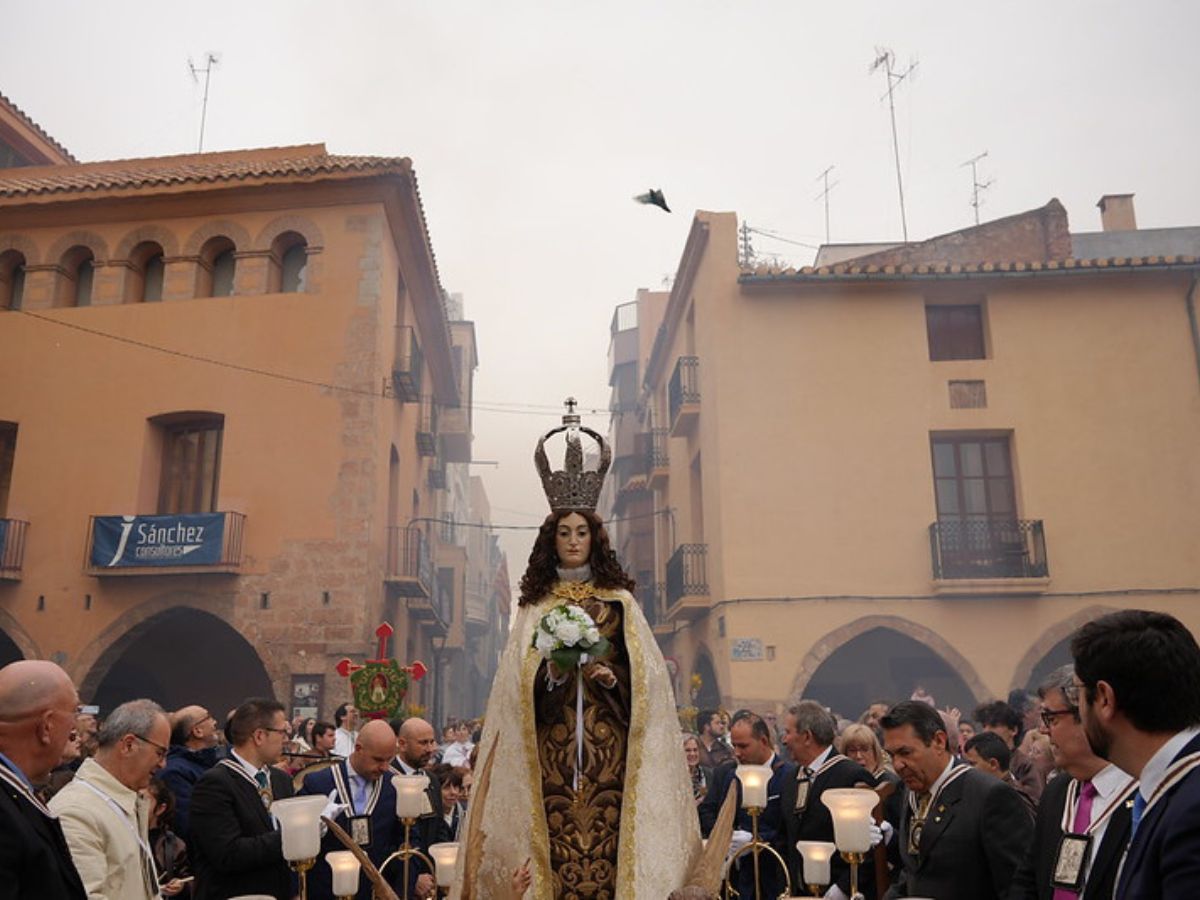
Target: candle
300,822
816,856
445,858
410,795
851,811
345,872
754,785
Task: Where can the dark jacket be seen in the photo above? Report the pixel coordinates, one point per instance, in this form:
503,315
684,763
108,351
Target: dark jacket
431,828
34,859
1032,881
1163,861
183,769
974,839
234,845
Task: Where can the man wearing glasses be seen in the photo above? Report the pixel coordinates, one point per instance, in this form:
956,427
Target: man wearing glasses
37,714
1139,679
236,848
193,752
1083,817
104,815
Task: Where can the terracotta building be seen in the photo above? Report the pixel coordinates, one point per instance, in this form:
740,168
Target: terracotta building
921,465
230,392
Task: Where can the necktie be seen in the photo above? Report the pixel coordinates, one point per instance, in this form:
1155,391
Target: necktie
1083,818
1139,807
261,777
359,787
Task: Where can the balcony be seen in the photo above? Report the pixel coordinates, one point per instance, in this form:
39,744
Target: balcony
427,426
996,555
683,395
185,544
407,363
12,548
437,475
687,582
454,426
658,463
476,611
623,331
409,563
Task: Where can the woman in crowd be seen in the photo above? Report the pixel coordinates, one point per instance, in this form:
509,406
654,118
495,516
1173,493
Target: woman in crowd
861,744
451,779
170,852
701,775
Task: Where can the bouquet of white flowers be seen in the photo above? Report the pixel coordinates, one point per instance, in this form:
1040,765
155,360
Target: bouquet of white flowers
568,636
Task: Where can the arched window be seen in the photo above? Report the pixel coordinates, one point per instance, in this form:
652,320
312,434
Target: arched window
77,268
217,269
289,261
145,284
12,279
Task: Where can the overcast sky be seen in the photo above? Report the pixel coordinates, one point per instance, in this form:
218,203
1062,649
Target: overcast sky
531,125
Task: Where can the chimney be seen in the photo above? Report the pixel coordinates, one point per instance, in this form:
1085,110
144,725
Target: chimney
1116,212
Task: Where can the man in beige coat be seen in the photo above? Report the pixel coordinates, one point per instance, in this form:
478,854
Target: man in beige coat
104,816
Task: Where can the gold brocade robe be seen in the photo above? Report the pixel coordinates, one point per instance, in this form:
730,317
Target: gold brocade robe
633,816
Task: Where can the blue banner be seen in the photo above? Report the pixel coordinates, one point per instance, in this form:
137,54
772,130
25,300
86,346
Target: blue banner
3,539
125,541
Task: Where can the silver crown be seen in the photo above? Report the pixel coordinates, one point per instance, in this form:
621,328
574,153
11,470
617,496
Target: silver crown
572,487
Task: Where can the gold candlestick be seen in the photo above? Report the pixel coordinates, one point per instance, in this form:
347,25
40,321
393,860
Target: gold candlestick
405,853
816,889
755,847
855,860
301,867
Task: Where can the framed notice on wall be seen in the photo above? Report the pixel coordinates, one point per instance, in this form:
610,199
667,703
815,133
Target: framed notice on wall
308,691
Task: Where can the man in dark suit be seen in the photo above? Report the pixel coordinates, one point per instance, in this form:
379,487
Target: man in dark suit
1093,794
1139,677
962,833
235,846
361,786
37,715
752,745
415,745
808,734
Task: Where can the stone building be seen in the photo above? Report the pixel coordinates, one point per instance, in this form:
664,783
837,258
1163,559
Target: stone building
917,465
254,344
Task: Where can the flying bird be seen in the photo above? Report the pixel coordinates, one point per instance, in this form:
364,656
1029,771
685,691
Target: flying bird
654,198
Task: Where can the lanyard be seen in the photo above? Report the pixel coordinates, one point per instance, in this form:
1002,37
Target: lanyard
14,780
1072,805
825,766
147,853
265,793
954,775
1175,774
343,787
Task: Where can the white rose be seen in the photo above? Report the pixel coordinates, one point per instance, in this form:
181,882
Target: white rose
569,633
545,643
592,635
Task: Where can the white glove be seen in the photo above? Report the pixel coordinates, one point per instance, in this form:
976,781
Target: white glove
888,831
332,810
739,840
835,893
876,834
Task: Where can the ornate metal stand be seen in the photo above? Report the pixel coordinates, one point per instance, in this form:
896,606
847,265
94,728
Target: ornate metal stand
301,867
406,852
855,860
755,847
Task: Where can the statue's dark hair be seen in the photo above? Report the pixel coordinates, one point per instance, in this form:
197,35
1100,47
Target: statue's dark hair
542,571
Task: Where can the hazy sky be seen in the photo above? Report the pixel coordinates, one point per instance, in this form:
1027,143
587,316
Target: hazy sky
531,125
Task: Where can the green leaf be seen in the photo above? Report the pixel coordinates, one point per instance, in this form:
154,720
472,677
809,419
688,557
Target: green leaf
566,658
600,650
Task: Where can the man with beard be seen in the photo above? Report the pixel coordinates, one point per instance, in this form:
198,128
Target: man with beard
962,833
1138,673
1091,799
415,744
713,749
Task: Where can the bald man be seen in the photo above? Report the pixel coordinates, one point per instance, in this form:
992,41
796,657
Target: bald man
37,715
362,787
193,752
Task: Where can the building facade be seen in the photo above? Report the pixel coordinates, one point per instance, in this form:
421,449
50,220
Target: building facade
231,394
920,468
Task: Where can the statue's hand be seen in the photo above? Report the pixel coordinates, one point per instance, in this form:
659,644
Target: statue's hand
602,675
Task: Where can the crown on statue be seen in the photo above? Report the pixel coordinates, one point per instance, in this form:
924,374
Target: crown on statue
571,487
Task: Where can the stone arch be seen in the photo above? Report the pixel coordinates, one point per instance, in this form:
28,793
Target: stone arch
178,648
823,649
709,696
164,237
22,245
1050,638
219,228
16,633
302,225
81,238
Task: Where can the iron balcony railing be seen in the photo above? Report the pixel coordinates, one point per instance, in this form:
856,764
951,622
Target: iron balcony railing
685,384
233,528
409,558
988,548
12,547
427,428
437,476
407,362
656,449
687,574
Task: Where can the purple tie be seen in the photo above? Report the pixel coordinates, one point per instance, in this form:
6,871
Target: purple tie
1083,818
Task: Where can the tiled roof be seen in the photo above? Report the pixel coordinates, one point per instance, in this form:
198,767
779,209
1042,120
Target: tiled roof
158,172
24,117
852,272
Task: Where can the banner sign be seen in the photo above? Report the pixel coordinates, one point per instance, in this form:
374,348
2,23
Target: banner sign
3,540
129,541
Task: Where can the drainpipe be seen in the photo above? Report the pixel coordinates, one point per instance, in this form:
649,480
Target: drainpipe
1191,311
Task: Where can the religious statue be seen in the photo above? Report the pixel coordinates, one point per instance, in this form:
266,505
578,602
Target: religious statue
587,791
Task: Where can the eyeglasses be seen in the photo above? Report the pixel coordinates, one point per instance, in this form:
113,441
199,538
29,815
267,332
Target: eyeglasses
159,749
286,731
1049,715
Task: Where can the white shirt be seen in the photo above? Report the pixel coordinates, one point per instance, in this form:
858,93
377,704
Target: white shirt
457,754
819,760
247,768
343,742
1156,769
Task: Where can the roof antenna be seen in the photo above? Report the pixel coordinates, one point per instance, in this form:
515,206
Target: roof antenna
824,176
976,184
210,60
885,59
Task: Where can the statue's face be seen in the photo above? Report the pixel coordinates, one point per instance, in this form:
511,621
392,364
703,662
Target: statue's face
573,541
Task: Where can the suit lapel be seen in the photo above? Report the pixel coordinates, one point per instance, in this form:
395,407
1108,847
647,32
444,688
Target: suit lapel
248,792
1108,853
938,819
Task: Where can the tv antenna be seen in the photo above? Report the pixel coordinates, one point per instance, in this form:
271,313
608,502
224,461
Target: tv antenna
210,60
824,176
886,60
976,184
